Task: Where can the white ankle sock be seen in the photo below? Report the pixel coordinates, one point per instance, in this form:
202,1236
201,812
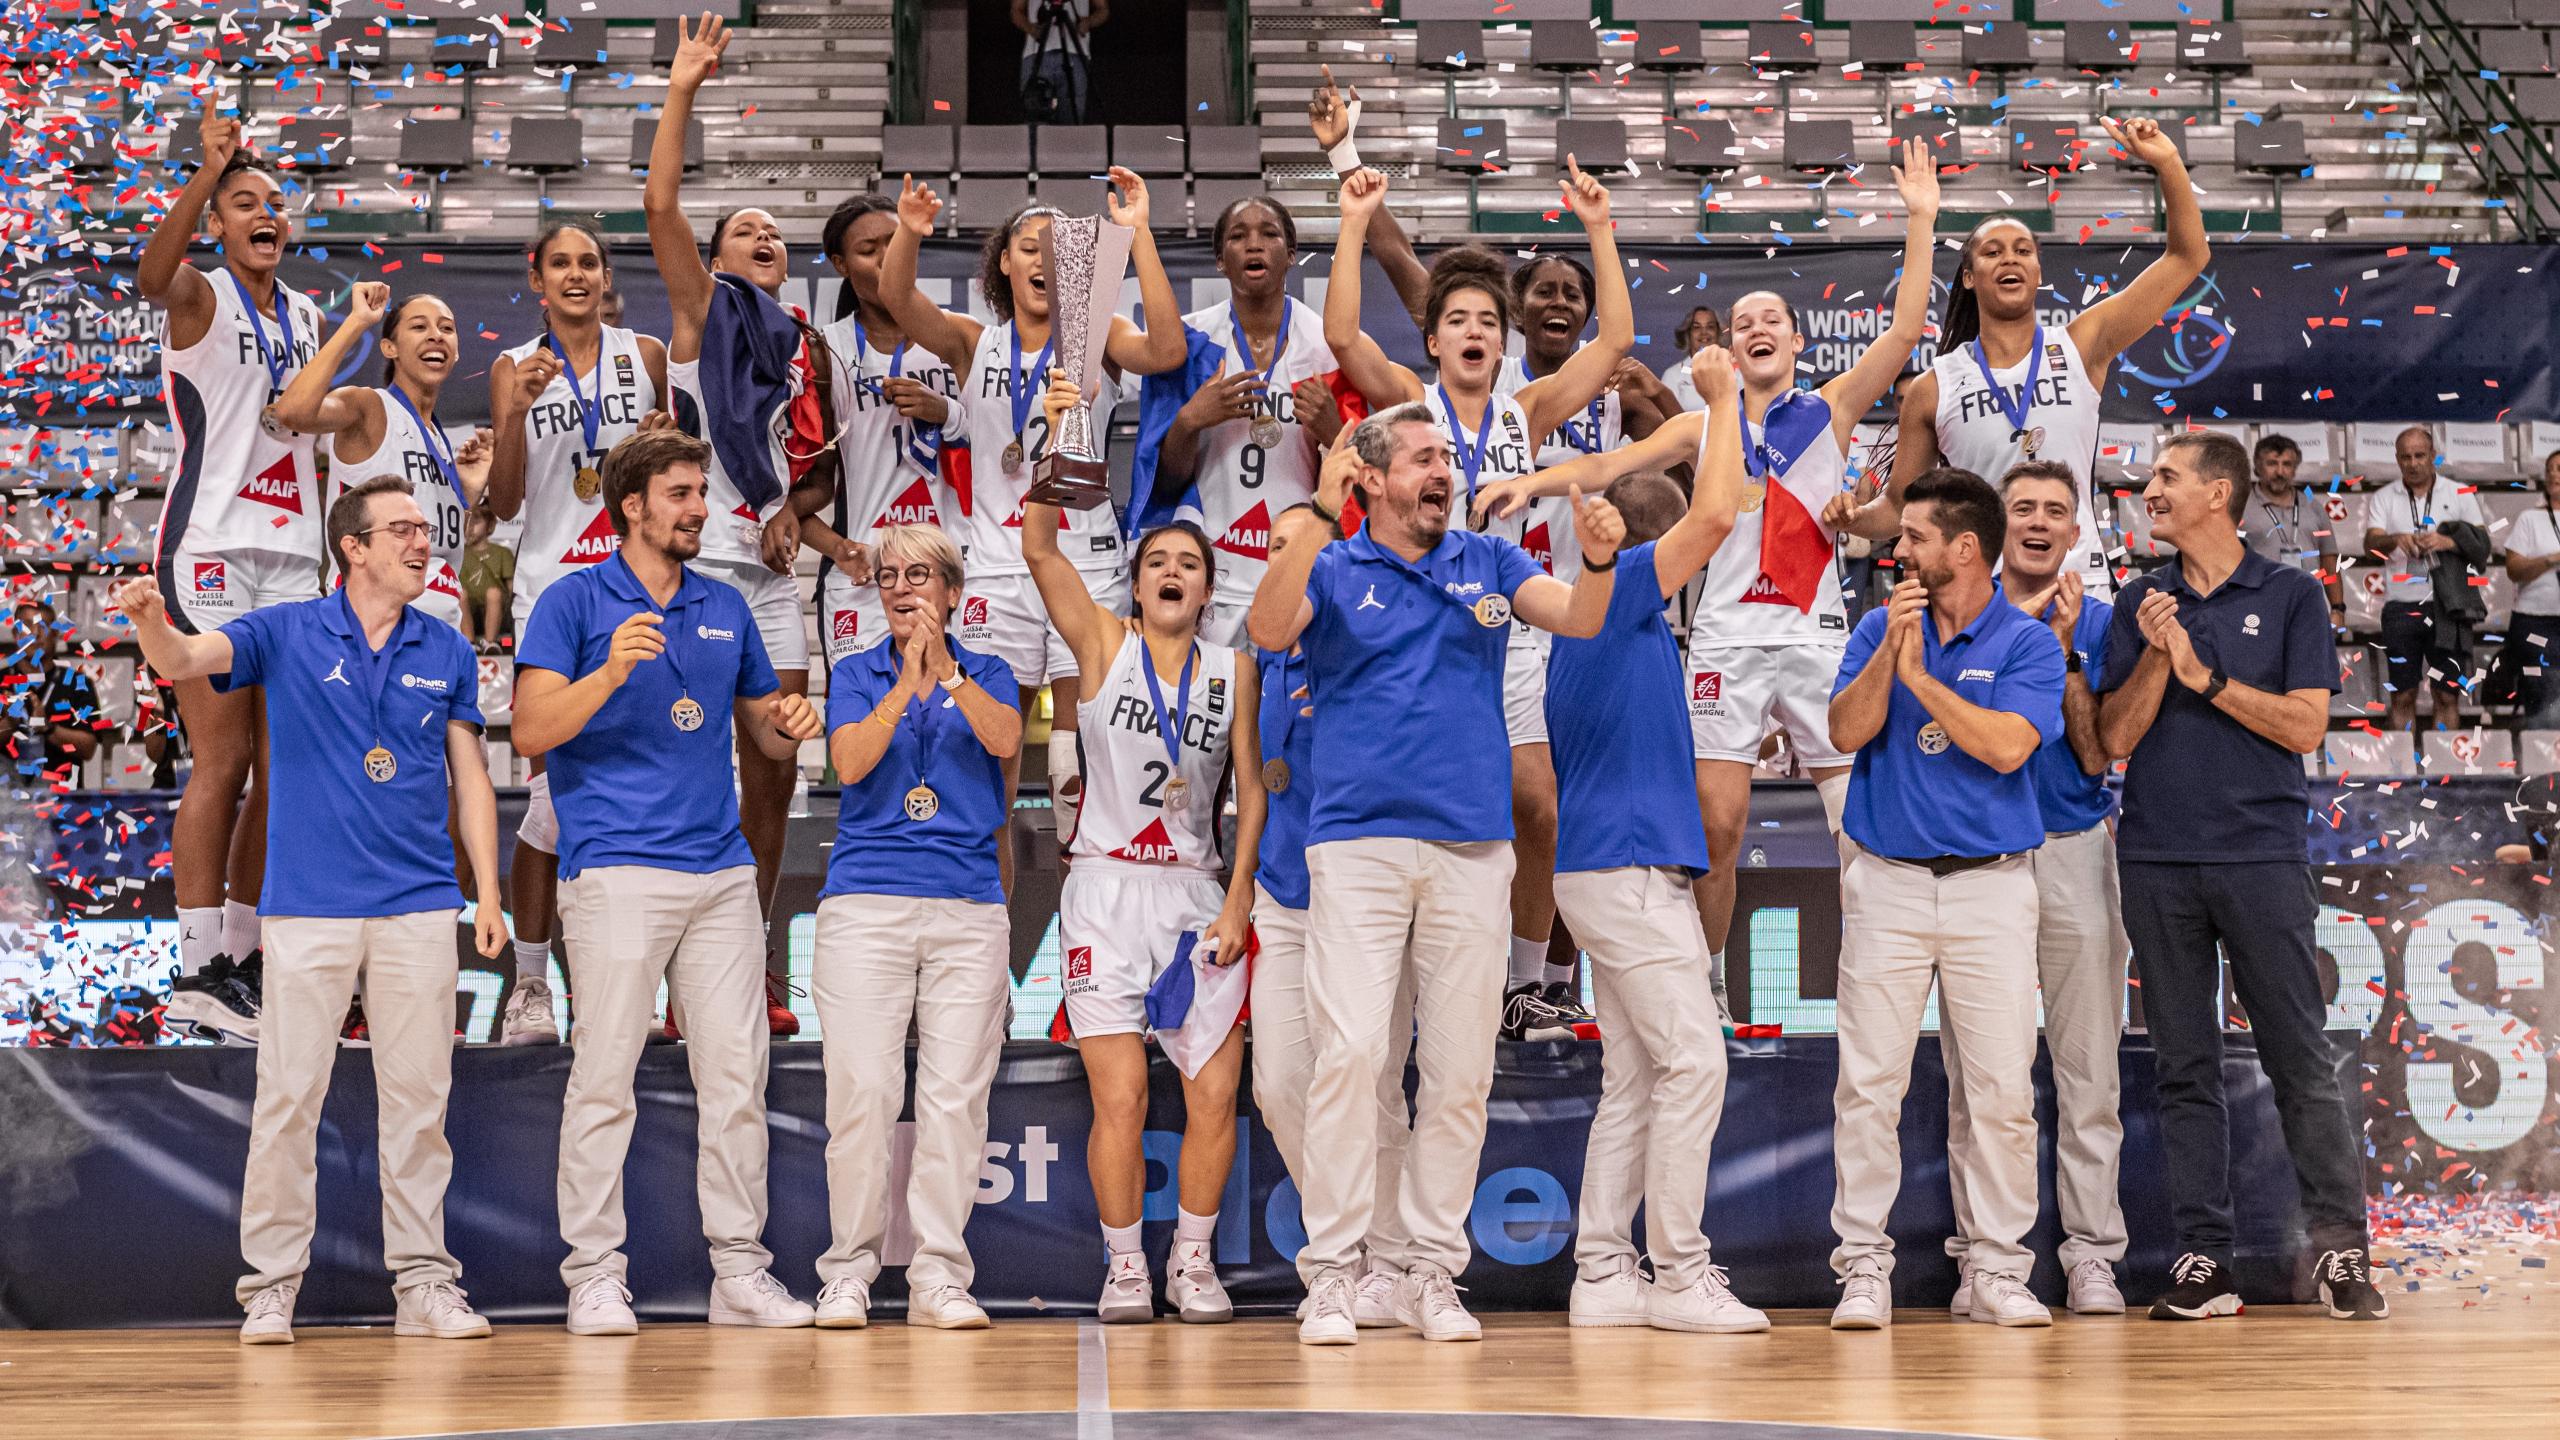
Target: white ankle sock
199,937
1559,974
1715,970
1190,1229
1528,961
1122,1239
239,929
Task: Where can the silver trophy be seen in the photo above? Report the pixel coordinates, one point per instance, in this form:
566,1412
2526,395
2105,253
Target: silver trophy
1085,258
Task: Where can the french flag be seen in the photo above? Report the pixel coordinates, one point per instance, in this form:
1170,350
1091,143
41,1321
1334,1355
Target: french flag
1796,549
1195,1003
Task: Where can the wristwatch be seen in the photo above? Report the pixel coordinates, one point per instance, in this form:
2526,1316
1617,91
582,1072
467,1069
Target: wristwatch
953,681
2215,685
1589,567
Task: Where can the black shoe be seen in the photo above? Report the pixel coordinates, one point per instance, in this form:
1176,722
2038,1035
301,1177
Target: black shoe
2200,1290
2347,1288
1527,1015
219,1002
1561,994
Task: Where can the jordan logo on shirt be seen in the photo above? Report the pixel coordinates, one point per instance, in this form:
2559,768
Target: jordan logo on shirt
1370,600
339,674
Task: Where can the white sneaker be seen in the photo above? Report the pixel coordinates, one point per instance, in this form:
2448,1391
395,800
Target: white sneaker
439,1311
1706,1308
601,1305
1329,1319
757,1299
1866,1298
270,1319
1125,1300
2093,1289
844,1305
2005,1300
1962,1304
1191,1287
1373,1298
945,1307
1614,1300
528,1019
1428,1301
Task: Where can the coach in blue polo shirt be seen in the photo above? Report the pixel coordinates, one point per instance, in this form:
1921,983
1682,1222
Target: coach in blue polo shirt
1409,854
629,676
371,708
1945,697
2219,669
912,923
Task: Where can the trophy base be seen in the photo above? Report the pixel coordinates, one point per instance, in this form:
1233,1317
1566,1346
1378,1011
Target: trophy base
1070,482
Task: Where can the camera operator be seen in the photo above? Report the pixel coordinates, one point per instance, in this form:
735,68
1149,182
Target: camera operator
1056,57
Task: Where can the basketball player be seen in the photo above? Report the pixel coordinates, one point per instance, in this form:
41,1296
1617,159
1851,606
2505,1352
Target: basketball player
1408,856
752,378
1002,375
393,430
1467,316
1159,730
896,403
1630,841
559,403
911,925
1770,624
622,669
371,707
2004,388
240,530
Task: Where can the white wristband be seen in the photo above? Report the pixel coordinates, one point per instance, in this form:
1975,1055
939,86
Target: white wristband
1344,157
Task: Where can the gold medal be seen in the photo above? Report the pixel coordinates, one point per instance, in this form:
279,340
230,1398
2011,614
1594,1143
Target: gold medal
380,765
923,804
1493,610
1177,795
1266,432
686,713
1933,739
2034,443
589,483
1754,495
1275,776
1012,456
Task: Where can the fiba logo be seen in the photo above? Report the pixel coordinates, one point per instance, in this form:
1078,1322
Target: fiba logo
973,611
2188,344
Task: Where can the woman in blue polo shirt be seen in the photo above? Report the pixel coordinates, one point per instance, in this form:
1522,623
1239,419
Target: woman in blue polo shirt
912,922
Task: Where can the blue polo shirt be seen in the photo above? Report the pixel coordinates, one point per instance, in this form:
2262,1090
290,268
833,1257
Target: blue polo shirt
879,851
1618,726
2202,788
1290,736
2071,798
1913,792
631,788
338,844
1408,683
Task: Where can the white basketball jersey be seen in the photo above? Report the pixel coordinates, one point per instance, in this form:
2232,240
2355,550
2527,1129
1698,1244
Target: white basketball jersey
1737,605
404,453
1127,773
1974,432
234,487
734,535
981,503
1597,427
1508,455
1243,486
563,533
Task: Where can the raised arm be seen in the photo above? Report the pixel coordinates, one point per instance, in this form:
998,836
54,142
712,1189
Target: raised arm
1281,610
1676,443
163,275
1578,610
1381,381
2103,330
1091,631
1856,391
1585,373
171,653
1915,453
671,239
512,390
1160,346
1334,120
954,338
309,404
1715,494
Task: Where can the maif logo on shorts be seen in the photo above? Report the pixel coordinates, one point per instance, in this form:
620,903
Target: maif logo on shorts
209,578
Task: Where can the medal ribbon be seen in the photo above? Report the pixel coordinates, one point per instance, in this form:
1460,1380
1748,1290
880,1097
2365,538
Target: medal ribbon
590,416
377,663
1279,347
1469,460
1288,707
280,359
1755,454
923,442
1181,700
2015,408
923,709
437,449
1021,396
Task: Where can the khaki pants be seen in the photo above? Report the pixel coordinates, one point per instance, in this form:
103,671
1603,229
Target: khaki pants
1283,1052
2080,961
1973,934
881,959
408,966
704,936
1662,1070
1381,905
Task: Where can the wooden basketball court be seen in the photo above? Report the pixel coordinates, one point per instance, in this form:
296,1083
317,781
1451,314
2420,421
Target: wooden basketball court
2471,1353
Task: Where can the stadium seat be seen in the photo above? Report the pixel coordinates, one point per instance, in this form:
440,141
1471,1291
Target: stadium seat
2361,753
1999,49
546,144
2513,52
1448,45
2541,14
2276,147
928,152
2538,96
1820,146
995,150
1669,46
2475,13
1472,146
1149,149
2127,160
1701,145
1882,47
2538,752
982,202
1226,150
435,145
1076,150
1780,47
578,44
1596,145
2052,148
1210,196
314,143
2476,751
2359,694
670,38
471,44
1938,126
2103,46
1564,49
644,135
1076,194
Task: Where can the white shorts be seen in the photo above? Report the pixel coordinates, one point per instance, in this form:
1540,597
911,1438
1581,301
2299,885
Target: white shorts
447,608
850,619
1117,925
1524,689
1224,623
1739,693
205,592
1001,615
775,599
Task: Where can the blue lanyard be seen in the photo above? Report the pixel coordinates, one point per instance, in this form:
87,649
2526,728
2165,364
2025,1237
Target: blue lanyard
280,359
1593,446
377,663
2017,408
1471,461
1244,349
590,417
1755,453
1288,707
923,442
1181,701
437,450
924,709
1021,382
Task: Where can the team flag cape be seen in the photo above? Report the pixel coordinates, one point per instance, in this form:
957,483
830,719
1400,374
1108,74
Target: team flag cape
1154,502
1196,1002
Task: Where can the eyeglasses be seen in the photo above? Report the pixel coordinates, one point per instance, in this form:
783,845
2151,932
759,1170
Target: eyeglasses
403,531
915,577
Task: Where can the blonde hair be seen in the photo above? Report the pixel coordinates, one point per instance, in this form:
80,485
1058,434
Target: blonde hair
900,544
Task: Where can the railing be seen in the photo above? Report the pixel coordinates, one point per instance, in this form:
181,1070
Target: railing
2512,155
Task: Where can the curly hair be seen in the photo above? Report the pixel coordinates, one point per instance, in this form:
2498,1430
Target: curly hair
1468,267
993,285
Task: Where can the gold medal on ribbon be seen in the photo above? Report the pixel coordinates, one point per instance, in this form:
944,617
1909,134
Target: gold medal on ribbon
1754,495
1177,795
589,483
2034,442
1266,432
686,713
1933,739
923,804
1275,776
1493,610
380,765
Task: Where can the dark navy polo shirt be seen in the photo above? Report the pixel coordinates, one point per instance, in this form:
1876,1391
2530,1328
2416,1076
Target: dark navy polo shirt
1618,724
1286,735
879,851
1914,794
2071,798
2202,788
